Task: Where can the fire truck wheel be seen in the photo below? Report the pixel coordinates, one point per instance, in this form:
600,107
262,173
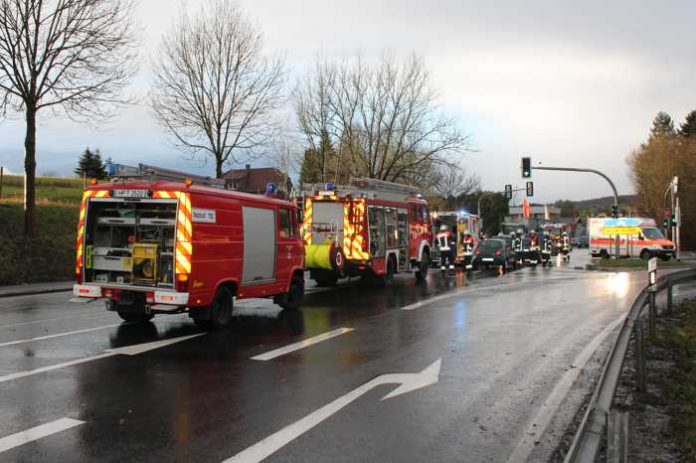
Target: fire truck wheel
337,259
423,267
136,317
294,298
220,311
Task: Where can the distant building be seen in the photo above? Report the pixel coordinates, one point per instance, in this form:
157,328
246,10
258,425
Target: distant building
254,180
537,213
537,217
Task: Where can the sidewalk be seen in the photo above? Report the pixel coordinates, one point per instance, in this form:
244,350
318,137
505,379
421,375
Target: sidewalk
35,288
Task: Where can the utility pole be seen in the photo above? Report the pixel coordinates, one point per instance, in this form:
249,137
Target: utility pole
605,177
676,223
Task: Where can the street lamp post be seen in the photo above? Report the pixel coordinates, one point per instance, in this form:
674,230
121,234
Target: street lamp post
601,174
674,220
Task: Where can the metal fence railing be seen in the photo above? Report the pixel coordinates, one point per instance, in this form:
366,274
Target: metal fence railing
598,418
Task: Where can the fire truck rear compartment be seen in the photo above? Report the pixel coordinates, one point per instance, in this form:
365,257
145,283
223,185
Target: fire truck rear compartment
327,222
130,243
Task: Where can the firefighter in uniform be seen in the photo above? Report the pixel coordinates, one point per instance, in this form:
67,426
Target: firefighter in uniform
565,243
547,249
446,244
468,243
534,249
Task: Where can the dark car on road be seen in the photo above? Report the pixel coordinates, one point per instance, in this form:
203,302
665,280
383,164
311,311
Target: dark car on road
494,253
527,254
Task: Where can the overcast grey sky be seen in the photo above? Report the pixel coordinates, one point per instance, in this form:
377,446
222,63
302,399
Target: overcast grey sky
572,83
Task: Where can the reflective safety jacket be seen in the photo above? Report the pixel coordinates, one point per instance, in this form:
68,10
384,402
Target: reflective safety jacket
469,244
566,242
548,244
445,241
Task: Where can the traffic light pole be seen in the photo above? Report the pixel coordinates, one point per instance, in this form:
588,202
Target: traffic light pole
601,174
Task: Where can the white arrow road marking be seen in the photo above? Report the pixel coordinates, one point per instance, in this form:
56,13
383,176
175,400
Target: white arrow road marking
58,335
271,444
537,426
127,350
38,432
301,345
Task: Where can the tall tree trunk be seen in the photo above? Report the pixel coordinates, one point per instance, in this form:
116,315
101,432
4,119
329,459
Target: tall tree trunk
218,167
30,172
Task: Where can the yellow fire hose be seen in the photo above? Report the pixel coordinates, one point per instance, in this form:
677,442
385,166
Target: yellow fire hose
318,256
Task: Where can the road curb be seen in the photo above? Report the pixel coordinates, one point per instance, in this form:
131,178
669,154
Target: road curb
29,291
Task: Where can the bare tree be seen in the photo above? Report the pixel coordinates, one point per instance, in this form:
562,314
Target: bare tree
382,118
214,91
73,56
454,181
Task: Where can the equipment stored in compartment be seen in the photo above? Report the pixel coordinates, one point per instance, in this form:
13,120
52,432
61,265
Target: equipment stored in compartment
145,263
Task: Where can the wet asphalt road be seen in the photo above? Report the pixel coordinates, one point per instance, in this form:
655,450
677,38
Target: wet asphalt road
506,348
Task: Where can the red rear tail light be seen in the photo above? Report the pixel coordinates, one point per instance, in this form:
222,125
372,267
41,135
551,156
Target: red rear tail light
182,282
499,252
150,297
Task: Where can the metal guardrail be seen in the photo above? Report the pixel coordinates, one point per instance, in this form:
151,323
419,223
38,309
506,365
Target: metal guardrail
588,439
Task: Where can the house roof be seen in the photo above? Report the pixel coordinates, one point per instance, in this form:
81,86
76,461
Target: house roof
254,179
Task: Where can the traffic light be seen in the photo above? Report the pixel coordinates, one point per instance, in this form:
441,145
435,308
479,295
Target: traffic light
665,223
530,188
526,167
615,211
673,220
508,191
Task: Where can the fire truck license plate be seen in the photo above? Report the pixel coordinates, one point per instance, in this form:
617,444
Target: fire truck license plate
131,193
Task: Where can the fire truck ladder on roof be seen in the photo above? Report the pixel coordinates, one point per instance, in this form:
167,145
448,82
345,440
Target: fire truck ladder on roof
121,173
368,188
383,186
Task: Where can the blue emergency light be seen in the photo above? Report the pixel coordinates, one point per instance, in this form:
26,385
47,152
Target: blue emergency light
328,186
271,188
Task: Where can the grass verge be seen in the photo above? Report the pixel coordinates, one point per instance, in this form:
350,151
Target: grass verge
53,189
49,256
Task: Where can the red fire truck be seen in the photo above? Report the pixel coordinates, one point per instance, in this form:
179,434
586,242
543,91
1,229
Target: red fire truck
151,242
370,228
